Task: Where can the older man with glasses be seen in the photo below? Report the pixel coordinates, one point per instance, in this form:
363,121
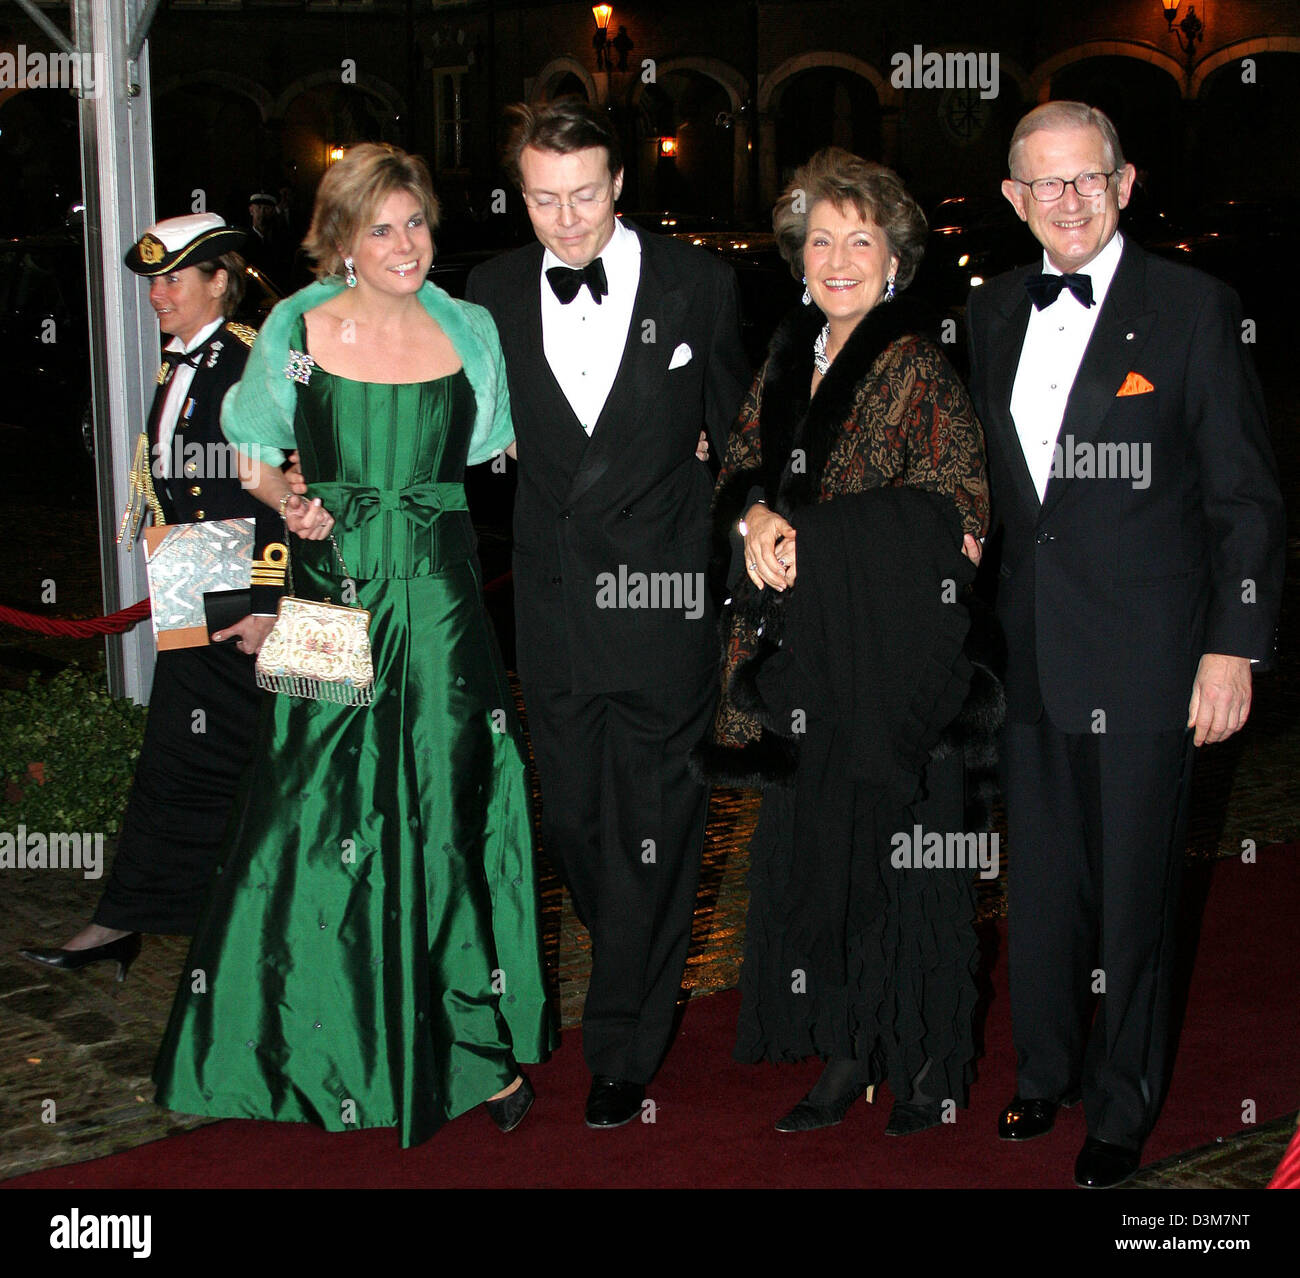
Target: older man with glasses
1142,548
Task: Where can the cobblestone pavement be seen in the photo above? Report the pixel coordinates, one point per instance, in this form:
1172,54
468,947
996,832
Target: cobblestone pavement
86,1043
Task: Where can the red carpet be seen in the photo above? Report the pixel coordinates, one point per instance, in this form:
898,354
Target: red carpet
713,1122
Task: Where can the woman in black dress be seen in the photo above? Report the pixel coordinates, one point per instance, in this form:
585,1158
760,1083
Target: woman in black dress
856,469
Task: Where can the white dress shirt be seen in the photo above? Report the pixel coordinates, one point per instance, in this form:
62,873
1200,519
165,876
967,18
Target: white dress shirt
178,390
1055,341
584,342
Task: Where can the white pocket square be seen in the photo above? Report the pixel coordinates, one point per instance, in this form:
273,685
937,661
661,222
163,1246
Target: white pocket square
682,355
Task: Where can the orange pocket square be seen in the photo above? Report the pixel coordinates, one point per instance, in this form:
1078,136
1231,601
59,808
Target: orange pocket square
1135,384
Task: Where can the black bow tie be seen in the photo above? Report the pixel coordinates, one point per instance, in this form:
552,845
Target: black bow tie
567,281
1045,289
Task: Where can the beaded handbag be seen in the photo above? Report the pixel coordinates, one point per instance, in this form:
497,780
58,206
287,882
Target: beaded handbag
318,651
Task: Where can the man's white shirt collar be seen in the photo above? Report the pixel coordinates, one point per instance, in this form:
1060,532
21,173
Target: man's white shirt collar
1101,270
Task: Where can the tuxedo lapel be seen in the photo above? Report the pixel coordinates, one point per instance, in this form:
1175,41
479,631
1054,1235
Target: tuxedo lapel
1122,329
656,314
1011,320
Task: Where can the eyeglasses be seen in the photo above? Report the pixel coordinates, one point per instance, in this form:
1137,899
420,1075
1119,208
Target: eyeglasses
553,204
1045,190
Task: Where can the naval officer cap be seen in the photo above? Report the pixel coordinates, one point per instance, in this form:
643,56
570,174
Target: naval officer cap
177,242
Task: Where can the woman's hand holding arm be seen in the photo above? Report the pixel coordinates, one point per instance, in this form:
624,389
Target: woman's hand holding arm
769,547
308,519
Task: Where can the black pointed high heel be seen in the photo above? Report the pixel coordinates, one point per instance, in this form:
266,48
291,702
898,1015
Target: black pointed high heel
507,1112
123,951
830,1100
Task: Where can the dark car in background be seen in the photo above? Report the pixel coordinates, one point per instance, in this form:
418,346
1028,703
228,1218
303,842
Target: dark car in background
1249,244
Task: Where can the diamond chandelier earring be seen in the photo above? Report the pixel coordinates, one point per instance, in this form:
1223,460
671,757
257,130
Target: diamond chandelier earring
351,279
889,289
806,299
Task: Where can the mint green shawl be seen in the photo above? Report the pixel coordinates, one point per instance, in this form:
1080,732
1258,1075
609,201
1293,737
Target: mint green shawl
258,412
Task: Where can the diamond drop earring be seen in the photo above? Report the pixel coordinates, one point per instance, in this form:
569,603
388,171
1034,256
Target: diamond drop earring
889,289
807,296
351,279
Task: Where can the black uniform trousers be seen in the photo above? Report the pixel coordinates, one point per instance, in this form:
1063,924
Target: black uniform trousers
1097,824
203,712
623,823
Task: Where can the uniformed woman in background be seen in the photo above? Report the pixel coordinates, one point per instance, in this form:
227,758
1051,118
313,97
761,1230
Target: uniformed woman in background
204,702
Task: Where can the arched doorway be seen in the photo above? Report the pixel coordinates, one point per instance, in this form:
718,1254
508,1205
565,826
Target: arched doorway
824,106
209,150
1246,121
569,86
1144,101
695,111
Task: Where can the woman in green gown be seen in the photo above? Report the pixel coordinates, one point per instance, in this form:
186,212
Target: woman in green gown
369,952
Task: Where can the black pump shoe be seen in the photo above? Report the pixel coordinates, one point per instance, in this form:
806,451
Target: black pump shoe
845,1080
507,1112
906,1117
123,951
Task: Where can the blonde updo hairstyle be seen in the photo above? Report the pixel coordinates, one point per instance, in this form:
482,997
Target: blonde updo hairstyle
352,190
848,181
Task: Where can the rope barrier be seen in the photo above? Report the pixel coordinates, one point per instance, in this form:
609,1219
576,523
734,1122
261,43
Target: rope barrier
115,623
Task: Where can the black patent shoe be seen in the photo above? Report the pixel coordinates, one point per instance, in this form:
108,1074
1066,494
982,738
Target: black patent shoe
123,952
507,1112
1029,1119
1101,1165
613,1101
906,1118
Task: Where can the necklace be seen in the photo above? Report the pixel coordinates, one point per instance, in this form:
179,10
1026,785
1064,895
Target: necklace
822,361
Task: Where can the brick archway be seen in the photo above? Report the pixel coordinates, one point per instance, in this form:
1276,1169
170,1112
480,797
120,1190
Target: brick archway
1041,78
823,60
553,72
1234,52
239,85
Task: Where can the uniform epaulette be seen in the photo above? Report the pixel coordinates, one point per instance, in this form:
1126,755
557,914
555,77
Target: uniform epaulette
242,331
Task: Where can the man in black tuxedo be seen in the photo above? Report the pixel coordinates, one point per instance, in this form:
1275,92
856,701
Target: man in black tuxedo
1142,560
620,348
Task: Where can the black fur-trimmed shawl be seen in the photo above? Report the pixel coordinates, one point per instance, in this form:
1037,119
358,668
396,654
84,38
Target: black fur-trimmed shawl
890,411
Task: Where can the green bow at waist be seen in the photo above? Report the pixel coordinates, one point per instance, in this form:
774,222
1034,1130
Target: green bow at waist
354,504
394,532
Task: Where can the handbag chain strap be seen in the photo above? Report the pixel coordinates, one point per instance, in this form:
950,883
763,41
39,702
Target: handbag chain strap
288,566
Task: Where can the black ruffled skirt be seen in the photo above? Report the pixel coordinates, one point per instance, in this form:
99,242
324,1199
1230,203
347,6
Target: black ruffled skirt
909,997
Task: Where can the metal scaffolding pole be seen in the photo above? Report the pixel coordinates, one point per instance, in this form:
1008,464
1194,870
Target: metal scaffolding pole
118,185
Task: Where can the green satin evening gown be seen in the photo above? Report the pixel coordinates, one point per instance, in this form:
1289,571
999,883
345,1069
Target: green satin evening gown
369,952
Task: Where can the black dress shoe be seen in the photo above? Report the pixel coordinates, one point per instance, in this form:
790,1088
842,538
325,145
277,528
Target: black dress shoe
613,1101
1101,1165
507,1112
123,951
1027,1119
